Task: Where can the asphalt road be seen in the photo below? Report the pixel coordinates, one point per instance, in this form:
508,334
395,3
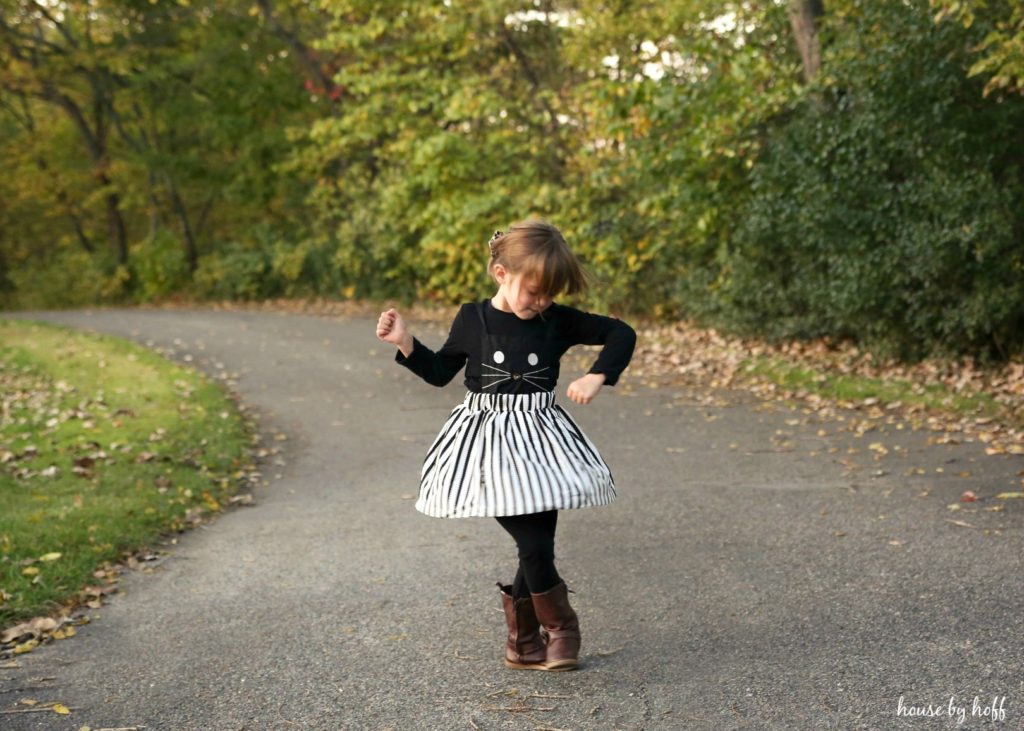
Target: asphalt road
754,574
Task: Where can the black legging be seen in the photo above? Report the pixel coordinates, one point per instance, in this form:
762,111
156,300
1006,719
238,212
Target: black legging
534,535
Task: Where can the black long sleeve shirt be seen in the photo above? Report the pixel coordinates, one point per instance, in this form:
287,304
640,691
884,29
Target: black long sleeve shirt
570,327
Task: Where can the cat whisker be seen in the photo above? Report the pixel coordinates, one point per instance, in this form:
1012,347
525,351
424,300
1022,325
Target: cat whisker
488,365
537,371
495,383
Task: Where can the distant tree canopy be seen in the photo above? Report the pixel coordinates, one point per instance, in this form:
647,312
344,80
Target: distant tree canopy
785,168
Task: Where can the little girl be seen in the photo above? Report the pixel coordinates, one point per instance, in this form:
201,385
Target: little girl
508,451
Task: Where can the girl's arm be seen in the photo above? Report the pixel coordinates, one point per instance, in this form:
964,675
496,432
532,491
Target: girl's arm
618,339
437,368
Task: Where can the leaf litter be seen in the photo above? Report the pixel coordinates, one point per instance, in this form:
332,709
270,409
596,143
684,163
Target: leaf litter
37,406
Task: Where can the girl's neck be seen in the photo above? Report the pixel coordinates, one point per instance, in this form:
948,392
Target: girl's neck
499,303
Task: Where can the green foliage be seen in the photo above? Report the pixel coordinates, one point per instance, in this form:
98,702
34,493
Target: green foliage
361,149
183,114
236,273
1002,48
884,211
160,266
64,278
449,129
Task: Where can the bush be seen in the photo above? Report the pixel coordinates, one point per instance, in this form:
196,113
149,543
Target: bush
236,273
160,265
888,210
65,278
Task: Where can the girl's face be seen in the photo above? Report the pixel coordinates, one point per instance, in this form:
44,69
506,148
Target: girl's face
520,294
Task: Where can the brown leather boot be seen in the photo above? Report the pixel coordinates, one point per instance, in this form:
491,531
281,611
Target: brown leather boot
525,647
562,627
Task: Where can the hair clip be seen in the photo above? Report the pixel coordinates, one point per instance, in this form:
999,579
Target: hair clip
490,244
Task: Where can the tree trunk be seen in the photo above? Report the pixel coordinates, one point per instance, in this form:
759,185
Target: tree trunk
115,221
803,18
95,142
154,207
191,252
6,285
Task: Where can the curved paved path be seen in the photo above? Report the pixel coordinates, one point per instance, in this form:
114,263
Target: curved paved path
747,578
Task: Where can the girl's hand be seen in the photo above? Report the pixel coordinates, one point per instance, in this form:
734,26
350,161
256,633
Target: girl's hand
391,329
583,390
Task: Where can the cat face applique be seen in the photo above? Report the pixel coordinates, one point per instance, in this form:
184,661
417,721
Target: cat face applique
504,367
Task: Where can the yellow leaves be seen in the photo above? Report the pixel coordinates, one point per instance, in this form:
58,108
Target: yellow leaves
1005,449
27,636
34,571
1009,495
32,705
26,647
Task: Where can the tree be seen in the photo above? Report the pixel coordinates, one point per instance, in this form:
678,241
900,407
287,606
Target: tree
804,16
1002,48
55,55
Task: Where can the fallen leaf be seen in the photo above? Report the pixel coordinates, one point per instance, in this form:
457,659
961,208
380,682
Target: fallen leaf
960,523
968,496
61,709
26,647
50,556
1009,495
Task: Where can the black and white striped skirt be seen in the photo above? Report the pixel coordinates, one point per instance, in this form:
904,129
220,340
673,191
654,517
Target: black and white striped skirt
511,454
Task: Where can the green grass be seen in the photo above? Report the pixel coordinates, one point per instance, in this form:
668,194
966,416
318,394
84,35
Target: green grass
165,440
857,388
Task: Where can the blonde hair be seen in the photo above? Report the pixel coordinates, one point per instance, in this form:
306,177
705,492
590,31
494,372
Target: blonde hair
536,248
